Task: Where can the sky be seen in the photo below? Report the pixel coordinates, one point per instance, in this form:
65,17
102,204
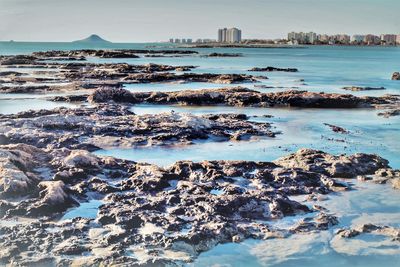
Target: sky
159,20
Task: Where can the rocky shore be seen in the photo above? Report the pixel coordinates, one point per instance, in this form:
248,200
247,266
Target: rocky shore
154,215
61,204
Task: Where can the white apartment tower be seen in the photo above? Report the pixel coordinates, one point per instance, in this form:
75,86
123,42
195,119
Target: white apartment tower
232,35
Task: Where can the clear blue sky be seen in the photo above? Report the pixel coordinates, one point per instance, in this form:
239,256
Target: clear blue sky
156,20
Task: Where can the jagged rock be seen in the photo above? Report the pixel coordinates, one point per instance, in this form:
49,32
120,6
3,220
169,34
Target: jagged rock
115,126
396,183
239,96
336,166
337,129
111,94
224,55
186,208
17,176
396,76
270,69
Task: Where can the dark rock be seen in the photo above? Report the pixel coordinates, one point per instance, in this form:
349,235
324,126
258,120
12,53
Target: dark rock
271,69
337,129
359,88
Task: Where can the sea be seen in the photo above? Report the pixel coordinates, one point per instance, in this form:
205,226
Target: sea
321,69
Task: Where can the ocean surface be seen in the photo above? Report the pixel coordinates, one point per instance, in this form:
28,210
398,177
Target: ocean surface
321,69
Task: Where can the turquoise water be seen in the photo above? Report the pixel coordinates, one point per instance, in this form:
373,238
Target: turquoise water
370,203
325,69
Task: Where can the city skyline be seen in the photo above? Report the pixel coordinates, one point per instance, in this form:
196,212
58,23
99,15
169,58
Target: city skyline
156,20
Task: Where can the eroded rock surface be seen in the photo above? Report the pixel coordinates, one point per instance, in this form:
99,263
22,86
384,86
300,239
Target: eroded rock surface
115,126
239,96
154,215
68,71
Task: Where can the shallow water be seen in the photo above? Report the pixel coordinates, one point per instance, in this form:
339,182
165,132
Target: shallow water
10,106
300,128
370,203
85,210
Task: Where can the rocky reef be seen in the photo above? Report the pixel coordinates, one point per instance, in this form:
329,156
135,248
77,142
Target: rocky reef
239,96
271,69
360,88
55,74
61,204
224,55
115,126
153,215
396,76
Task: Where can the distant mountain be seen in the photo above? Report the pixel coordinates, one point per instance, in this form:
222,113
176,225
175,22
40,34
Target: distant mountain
94,38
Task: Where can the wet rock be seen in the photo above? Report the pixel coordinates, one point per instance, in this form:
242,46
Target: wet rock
360,88
189,77
396,76
345,239
115,126
396,183
390,113
111,94
69,98
337,129
172,213
53,199
270,69
10,73
17,176
18,59
239,96
224,55
336,166
109,53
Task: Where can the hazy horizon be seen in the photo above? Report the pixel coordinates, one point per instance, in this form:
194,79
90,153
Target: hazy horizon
157,20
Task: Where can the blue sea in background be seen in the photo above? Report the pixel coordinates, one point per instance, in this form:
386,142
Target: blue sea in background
321,69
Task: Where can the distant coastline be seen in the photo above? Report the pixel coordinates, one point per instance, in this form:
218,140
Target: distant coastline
262,45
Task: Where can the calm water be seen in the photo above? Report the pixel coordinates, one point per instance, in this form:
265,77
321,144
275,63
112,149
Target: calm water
325,69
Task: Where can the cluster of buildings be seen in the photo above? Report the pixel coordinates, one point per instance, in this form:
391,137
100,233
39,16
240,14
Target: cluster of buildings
181,41
225,35
232,35
344,39
190,41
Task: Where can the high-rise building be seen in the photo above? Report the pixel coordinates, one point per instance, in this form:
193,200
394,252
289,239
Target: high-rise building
357,38
177,41
340,39
222,35
311,37
189,41
398,39
388,39
323,38
371,39
303,38
232,35
171,40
